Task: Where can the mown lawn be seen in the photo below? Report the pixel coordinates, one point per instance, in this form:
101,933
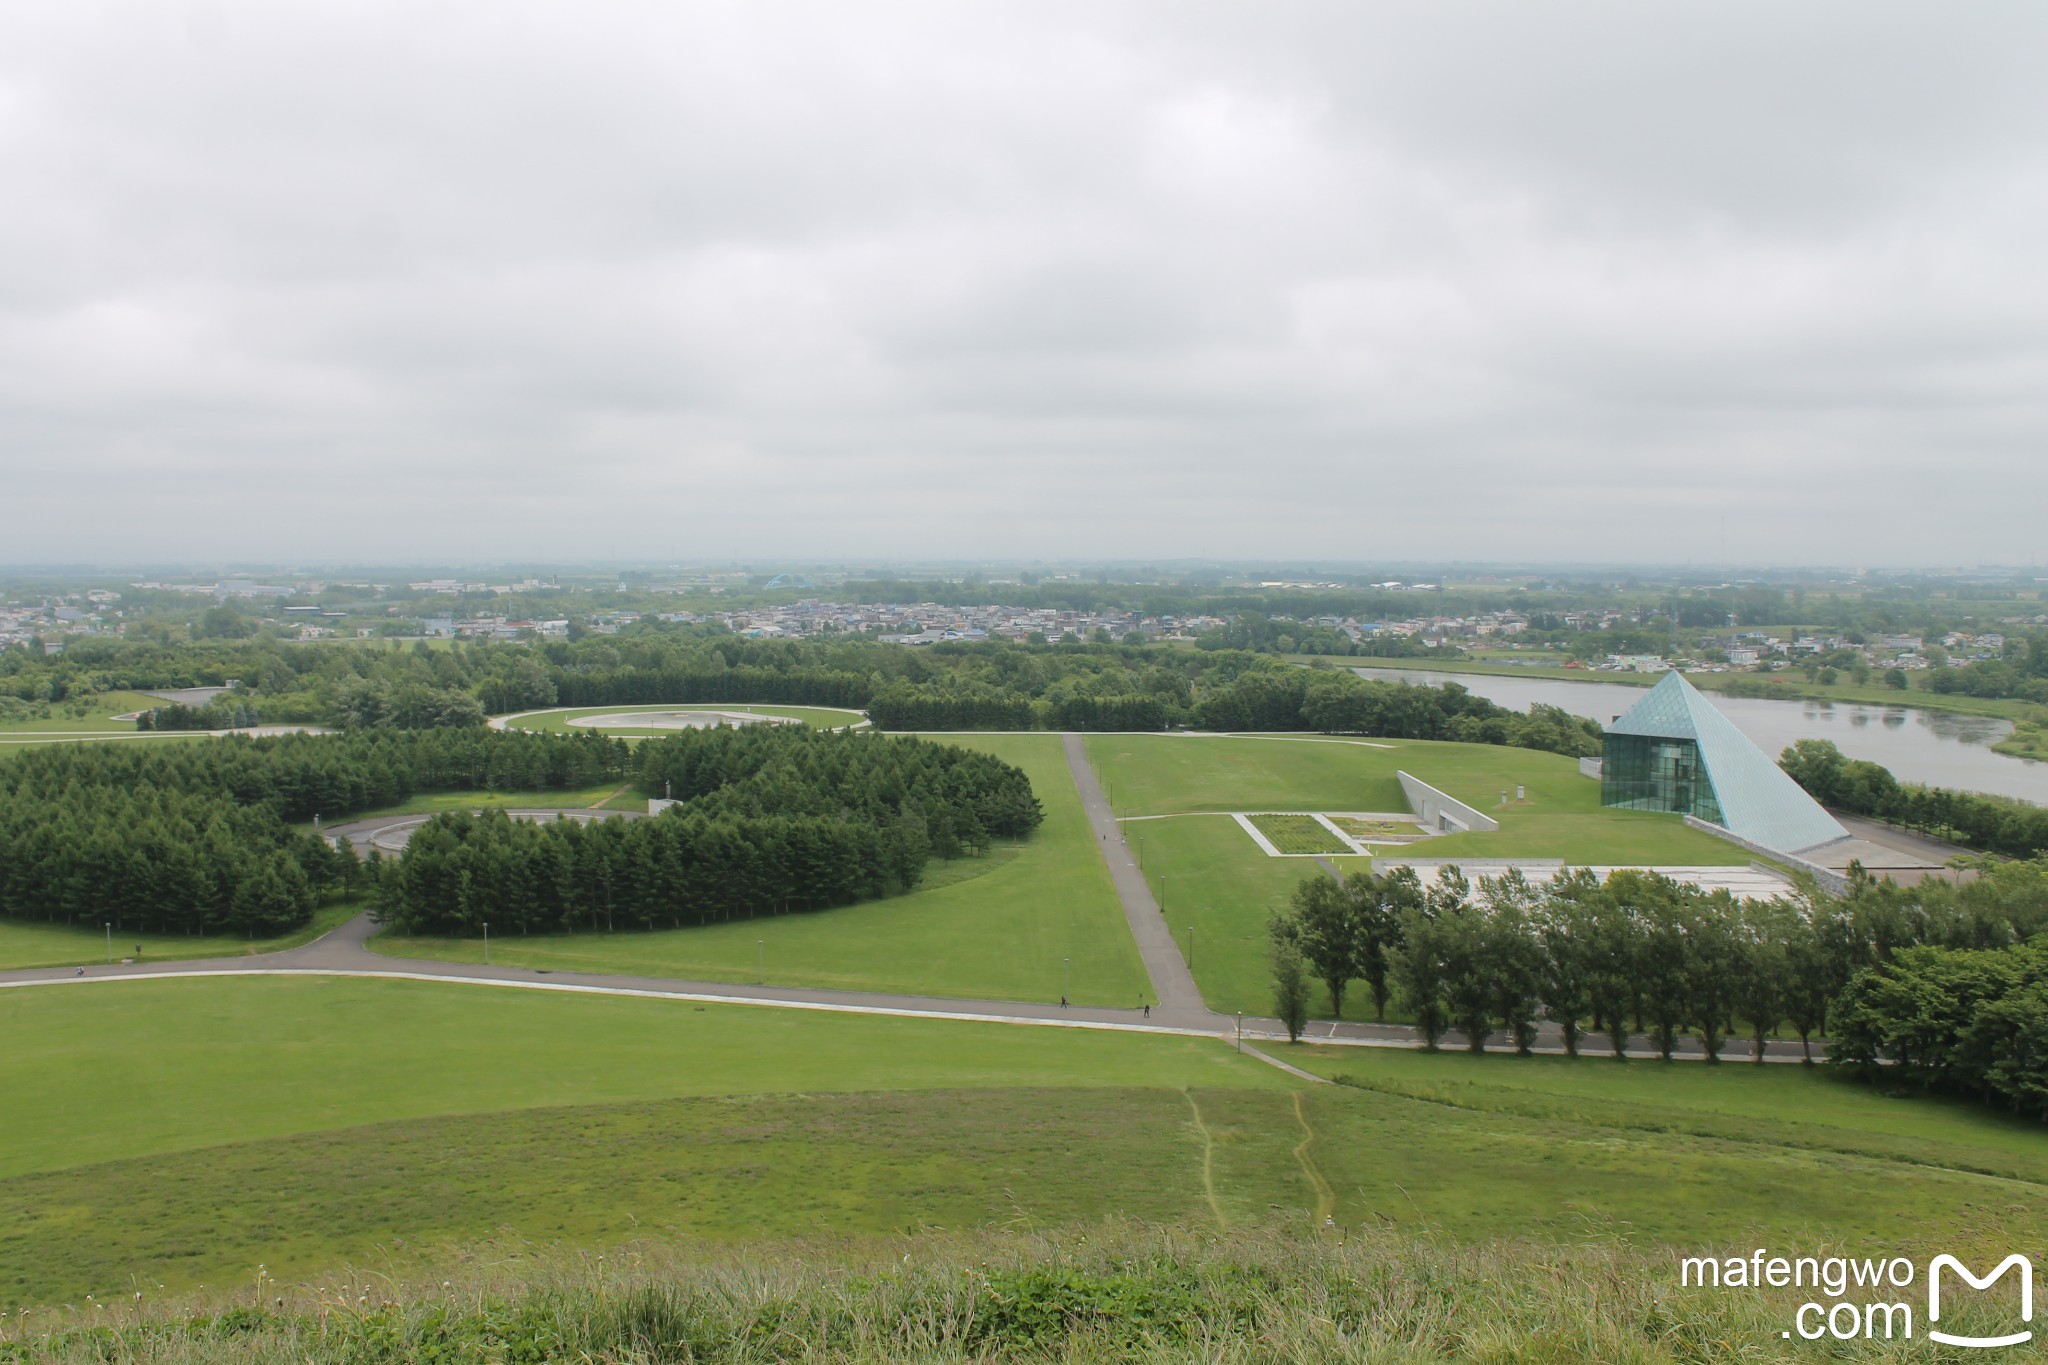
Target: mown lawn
1172,774
1003,928
1700,1168
1210,877
24,943
1775,1103
113,1069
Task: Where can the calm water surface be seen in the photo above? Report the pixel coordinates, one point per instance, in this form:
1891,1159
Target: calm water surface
1934,747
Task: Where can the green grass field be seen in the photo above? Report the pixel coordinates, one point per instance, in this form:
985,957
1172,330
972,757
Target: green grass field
557,721
1172,774
1214,881
27,944
996,928
300,1123
1221,885
1560,817
110,1070
1778,1105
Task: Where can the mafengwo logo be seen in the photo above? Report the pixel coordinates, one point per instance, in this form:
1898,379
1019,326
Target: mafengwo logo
1861,1290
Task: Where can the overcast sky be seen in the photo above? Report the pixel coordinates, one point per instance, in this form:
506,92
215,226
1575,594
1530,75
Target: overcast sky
1508,281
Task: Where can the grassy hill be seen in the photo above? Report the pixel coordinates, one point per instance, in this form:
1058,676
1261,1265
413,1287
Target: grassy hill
184,1133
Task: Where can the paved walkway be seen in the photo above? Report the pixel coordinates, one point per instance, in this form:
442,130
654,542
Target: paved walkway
1173,985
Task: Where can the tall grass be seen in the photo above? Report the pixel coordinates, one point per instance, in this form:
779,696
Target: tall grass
1113,1292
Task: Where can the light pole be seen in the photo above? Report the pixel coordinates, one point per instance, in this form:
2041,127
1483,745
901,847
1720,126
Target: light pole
487,943
1191,947
1066,978
760,962
1240,1030
110,943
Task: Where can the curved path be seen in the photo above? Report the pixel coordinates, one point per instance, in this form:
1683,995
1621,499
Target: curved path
345,952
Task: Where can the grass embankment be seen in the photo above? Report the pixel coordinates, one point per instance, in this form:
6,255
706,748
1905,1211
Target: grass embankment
1216,880
1793,1107
900,1126
2028,740
557,720
27,944
1025,923
1120,1292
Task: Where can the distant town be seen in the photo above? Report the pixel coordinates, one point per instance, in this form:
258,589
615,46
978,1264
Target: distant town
450,608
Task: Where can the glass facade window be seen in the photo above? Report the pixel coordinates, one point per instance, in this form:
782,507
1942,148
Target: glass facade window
1644,772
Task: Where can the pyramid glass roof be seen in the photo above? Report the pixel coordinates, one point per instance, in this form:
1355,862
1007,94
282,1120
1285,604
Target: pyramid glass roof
1757,800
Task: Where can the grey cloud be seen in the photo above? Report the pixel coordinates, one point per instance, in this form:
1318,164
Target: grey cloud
1403,280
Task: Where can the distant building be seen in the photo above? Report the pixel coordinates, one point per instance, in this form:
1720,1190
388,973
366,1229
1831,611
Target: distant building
1672,751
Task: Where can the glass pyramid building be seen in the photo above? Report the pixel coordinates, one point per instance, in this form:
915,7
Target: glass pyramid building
1673,751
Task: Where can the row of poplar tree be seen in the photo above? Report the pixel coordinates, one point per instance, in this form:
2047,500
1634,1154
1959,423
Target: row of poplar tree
769,819
1636,953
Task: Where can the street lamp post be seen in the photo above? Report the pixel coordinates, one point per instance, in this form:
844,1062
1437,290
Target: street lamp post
1191,947
1066,978
760,962
487,943
1240,1030
110,943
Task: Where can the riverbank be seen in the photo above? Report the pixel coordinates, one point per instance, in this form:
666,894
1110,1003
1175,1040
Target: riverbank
1734,684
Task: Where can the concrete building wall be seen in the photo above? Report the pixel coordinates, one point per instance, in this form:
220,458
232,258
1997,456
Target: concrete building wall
1440,811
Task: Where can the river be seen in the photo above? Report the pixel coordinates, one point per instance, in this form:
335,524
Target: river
1935,747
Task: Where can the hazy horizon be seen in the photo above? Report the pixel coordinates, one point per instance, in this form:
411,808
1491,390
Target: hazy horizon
1428,284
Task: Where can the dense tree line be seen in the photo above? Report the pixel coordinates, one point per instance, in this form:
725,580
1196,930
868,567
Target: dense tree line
981,685
195,837
222,713
1336,702
1994,824
769,819
1246,693
300,776
159,860
1969,1021
1637,953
